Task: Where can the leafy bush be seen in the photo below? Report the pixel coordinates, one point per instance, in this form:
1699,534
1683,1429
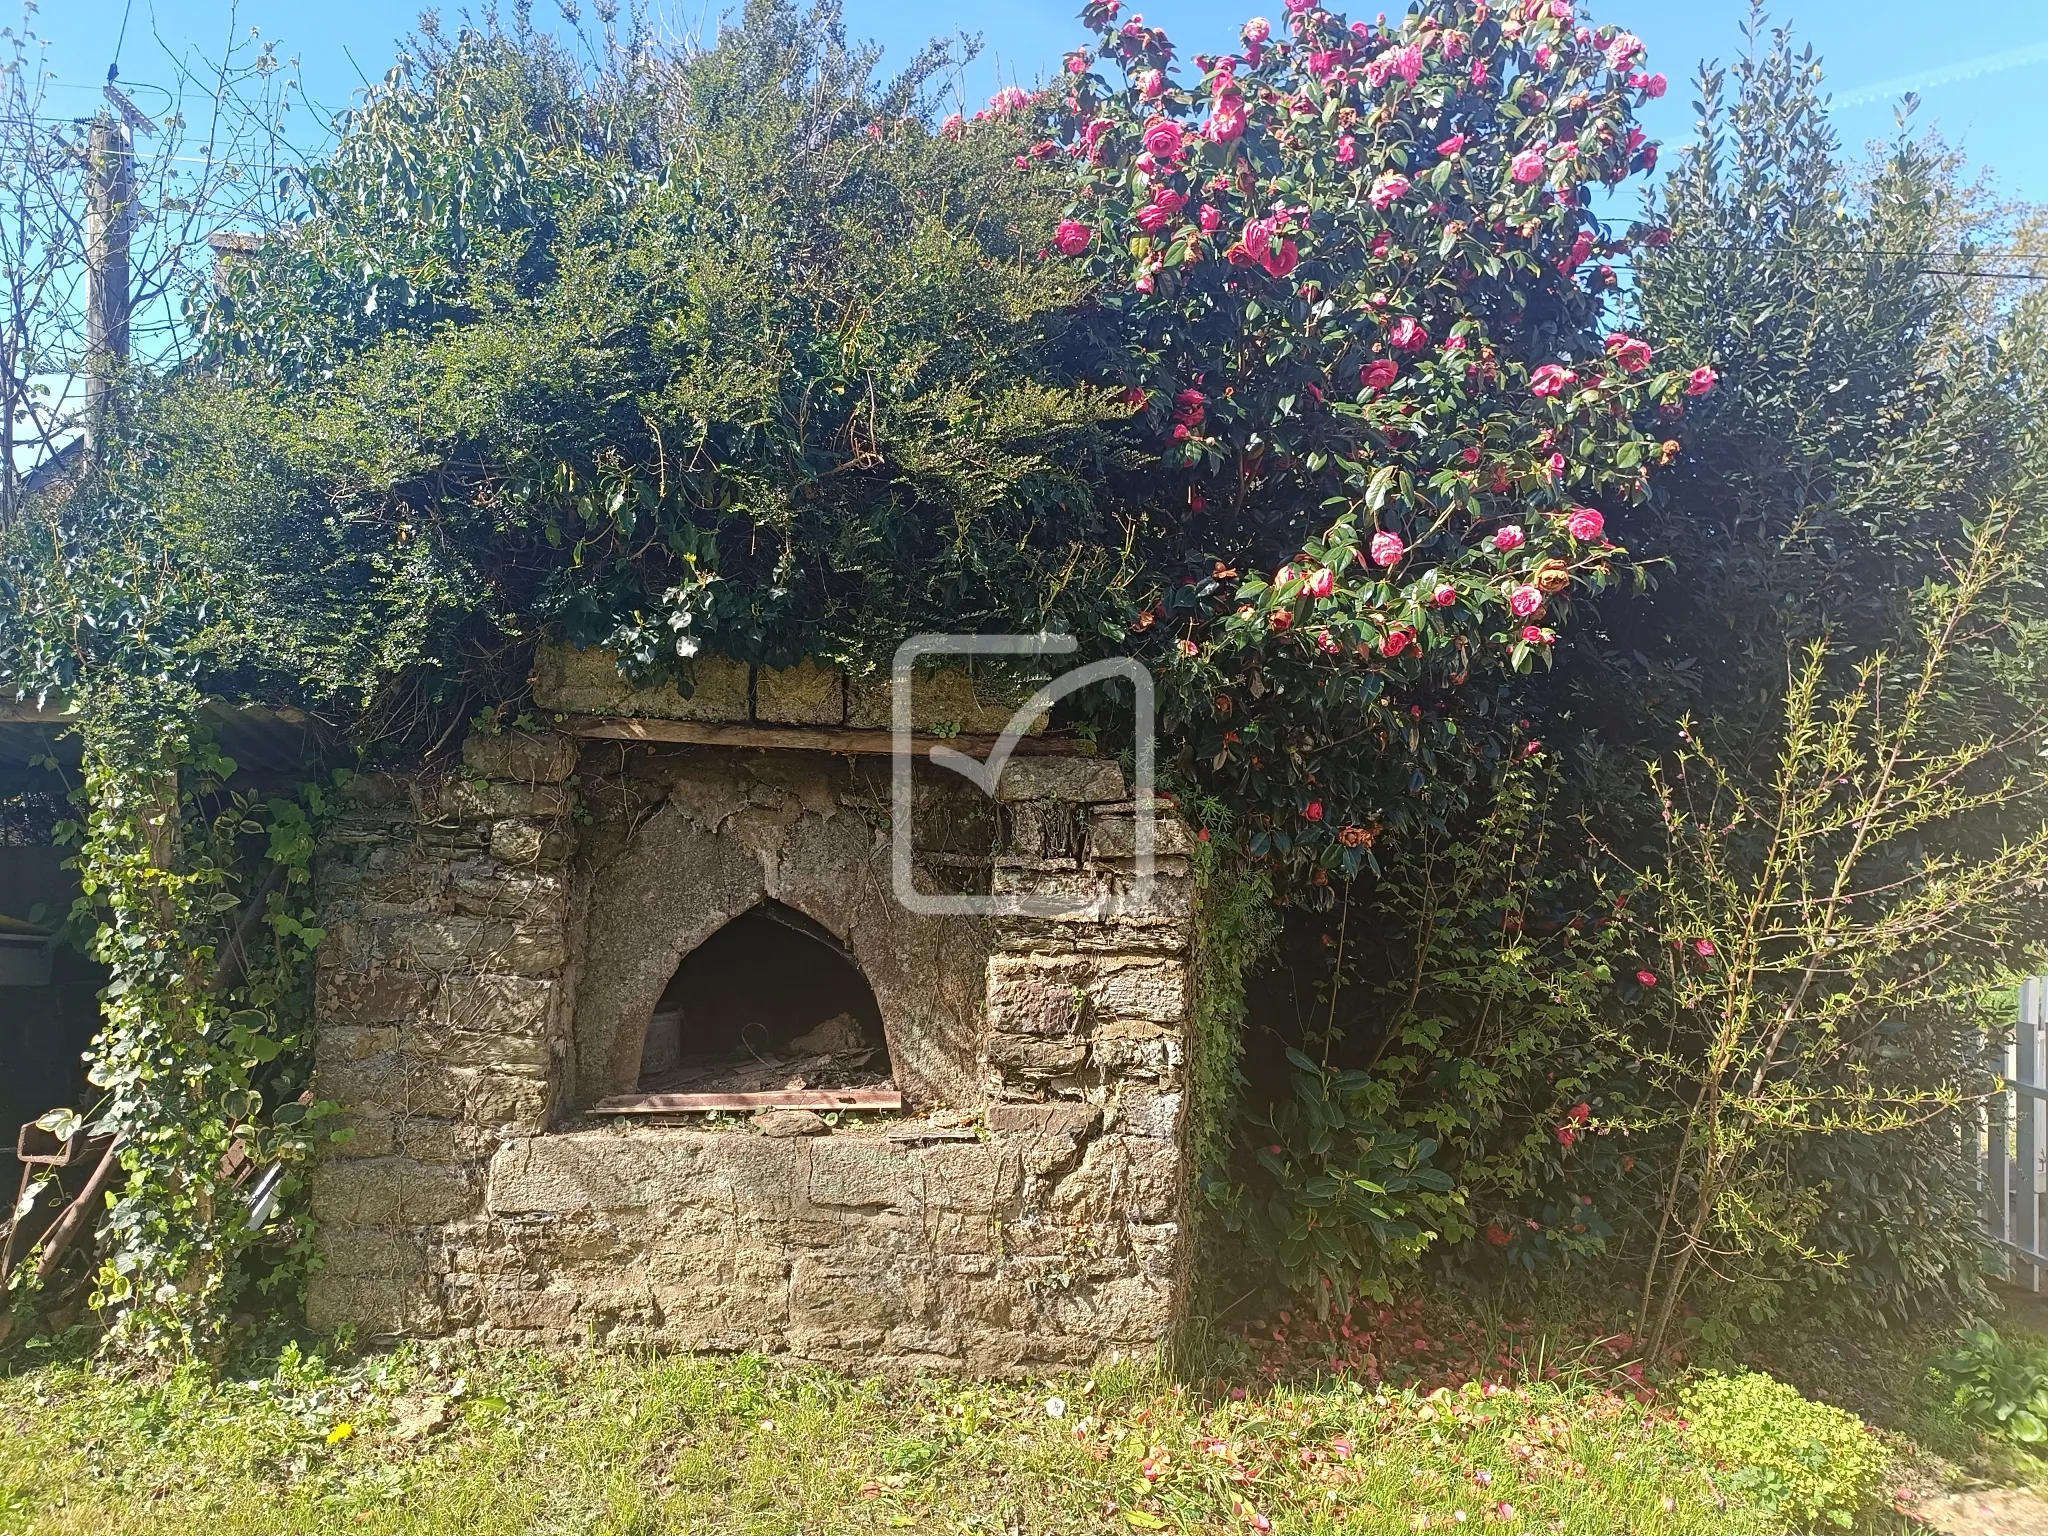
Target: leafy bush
1337,1200
1806,1461
1998,1386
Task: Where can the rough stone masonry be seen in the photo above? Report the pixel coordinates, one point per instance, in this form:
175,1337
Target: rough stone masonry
499,935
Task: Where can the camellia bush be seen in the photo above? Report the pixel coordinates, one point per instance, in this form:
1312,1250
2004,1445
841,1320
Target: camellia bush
1363,307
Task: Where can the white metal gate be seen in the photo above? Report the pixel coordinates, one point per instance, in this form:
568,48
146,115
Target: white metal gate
2016,1141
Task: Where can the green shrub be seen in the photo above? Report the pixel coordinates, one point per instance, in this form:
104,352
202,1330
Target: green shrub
1808,1462
1998,1387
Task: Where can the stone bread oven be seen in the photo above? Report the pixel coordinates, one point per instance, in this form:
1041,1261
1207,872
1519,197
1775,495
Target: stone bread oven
527,958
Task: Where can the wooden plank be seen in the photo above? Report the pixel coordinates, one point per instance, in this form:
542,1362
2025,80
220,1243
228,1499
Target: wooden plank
782,1098
802,738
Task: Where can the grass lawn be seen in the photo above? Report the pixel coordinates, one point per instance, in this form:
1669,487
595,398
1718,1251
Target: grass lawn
445,1440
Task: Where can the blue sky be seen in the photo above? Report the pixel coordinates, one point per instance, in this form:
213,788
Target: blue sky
1982,69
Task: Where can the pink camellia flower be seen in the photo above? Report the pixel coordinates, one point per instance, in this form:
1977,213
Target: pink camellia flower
1451,146
1408,334
1321,582
1454,343
1257,30
1582,247
1381,373
1702,380
1444,595
1313,811
1077,63
1011,98
1386,548
1162,139
1544,55
1632,352
1647,978
1533,634
1151,83
1327,642
1388,190
953,127
1525,601
1347,150
1296,7
1555,466
1551,380
1145,283
1154,217
1704,948
1585,524
1072,237
1226,119
1189,648
1281,258
1390,63
1510,537
1655,86
1396,641
1528,165
1478,70
1623,51
1209,219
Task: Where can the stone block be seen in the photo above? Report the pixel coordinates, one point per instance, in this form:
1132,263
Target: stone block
1146,1112
1121,1179
528,757
851,1301
790,1122
1038,995
439,944
366,1133
489,799
1036,1057
805,694
524,1054
433,1141
338,1044
588,682
393,1192
372,1303
1153,990
971,1178
1080,779
1047,1137
521,843
493,892
1125,1049
862,1174
351,1251
1113,834
952,699
496,1004
1096,894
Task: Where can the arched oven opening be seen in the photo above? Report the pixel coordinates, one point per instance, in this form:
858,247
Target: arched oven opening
770,1003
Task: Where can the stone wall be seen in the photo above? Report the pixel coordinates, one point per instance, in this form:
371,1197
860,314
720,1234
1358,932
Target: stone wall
497,939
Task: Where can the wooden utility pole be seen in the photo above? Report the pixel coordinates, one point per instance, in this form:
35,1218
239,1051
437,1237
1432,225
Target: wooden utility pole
109,225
